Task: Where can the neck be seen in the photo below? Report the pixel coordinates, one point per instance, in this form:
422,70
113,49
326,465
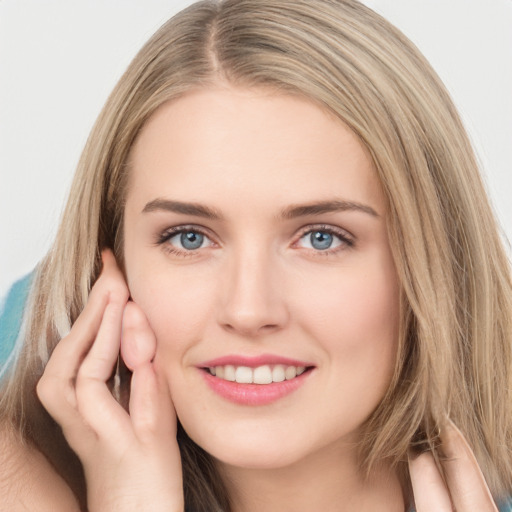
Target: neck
330,481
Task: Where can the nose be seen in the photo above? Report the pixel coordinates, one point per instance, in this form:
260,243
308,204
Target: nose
253,298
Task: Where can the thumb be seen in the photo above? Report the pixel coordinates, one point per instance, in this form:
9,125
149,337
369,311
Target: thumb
138,342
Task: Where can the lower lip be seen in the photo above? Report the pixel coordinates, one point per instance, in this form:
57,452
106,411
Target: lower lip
254,394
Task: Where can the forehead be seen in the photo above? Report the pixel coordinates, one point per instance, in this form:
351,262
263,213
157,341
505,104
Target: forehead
225,141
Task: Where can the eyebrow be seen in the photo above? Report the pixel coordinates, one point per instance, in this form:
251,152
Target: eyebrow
321,207
291,212
195,209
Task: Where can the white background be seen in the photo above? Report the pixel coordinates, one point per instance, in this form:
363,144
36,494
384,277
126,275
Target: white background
59,59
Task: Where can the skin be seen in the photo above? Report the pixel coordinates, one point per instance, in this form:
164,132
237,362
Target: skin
28,481
255,286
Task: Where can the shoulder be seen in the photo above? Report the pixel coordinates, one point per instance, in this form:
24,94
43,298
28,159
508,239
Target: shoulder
28,481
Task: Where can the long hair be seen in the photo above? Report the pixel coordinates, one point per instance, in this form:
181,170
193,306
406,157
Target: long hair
455,346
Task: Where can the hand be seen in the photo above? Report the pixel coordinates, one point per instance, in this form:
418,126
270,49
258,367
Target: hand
131,460
465,489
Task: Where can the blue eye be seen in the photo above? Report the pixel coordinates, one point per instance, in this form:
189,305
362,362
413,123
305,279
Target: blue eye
191,240
324,240
185,240
321,240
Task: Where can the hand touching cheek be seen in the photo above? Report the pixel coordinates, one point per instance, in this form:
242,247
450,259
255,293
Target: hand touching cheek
130,459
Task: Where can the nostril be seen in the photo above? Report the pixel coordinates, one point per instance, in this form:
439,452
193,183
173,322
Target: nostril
252,314
251,330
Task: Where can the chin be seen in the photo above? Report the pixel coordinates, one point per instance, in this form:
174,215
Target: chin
250,446
247,457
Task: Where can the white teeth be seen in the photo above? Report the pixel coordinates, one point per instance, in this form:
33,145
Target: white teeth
229,373
290,373
261,375
278,373
243,375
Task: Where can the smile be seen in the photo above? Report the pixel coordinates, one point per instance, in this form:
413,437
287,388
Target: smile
265,374
255,381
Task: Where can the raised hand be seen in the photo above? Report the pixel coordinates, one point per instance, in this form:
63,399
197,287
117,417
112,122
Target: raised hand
465,489
131,460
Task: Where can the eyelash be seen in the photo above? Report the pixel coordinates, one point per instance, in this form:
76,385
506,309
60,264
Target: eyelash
347,240
169,233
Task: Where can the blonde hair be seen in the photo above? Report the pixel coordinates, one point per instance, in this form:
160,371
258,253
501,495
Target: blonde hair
455,350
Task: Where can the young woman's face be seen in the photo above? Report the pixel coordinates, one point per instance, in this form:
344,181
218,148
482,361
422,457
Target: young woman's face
256,245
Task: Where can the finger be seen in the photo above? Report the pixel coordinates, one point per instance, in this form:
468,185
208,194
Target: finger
151,408
56,388
70,351
59,400
94,399
138,343
103,354
465,480
155,424
430,493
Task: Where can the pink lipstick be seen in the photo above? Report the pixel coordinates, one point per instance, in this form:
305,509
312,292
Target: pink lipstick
256,380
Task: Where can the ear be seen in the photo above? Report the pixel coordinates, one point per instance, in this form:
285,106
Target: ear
138,342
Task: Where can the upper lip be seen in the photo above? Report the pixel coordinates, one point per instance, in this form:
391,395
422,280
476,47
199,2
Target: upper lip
253,361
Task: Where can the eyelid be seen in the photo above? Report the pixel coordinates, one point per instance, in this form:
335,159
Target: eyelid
347,239
164,236
183,228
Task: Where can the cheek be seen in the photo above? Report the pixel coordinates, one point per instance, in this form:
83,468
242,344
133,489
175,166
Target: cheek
354,315
177,308
354,319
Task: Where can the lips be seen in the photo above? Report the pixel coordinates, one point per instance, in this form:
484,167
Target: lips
255,380
262,375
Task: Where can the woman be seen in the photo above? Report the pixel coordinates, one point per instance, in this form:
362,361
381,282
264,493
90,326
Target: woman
287,230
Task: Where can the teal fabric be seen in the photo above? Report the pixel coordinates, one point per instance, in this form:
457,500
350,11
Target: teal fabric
505,506
11,315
